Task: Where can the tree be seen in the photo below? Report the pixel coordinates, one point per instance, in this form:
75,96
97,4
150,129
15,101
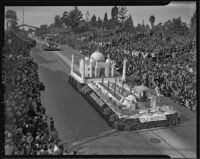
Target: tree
76,17
112,25
139,27
128,25
99,22
114,13
105,21
179,26
82,27
57,21
193,24
176,27
44,29
11,17
152,20
37,31
114,22
122,14
30,30
93,20
147,27
73,18
65,18
87,16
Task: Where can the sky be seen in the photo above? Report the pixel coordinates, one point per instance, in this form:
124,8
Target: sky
37,16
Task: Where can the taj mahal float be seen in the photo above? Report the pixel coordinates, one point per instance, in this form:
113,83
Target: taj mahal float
123,107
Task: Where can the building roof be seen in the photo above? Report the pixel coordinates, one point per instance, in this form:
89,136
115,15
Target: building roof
97,56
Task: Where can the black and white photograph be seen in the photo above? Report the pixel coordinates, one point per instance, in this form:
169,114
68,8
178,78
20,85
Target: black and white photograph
100,80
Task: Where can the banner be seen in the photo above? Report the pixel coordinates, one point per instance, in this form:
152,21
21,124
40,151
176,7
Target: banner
137,53
144,55
155,117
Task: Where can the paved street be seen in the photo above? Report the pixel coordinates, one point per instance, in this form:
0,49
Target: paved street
78,123
74,118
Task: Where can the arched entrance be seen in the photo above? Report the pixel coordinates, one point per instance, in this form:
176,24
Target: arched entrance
102,72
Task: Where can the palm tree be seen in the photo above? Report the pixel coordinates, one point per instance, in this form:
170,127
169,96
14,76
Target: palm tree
152,20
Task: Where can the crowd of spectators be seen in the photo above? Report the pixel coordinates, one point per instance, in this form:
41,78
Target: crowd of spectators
28,130
172,68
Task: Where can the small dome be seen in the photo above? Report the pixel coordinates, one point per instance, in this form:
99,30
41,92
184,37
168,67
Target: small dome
97,56
108,61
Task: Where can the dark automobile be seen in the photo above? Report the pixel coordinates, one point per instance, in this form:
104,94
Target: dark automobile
50,45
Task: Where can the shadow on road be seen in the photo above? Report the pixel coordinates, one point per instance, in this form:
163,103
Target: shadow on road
74,118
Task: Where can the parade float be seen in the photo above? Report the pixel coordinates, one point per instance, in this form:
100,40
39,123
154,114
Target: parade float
124,107
50,44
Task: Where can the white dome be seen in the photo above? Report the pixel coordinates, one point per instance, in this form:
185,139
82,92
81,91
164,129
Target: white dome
97,56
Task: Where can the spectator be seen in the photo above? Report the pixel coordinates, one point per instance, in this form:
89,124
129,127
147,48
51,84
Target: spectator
168,71
26,125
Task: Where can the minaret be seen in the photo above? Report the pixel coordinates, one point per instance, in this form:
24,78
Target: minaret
124,70
83,72
108,56
91,69
85,68
113,69
96,71
80,65
72,64
108,69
